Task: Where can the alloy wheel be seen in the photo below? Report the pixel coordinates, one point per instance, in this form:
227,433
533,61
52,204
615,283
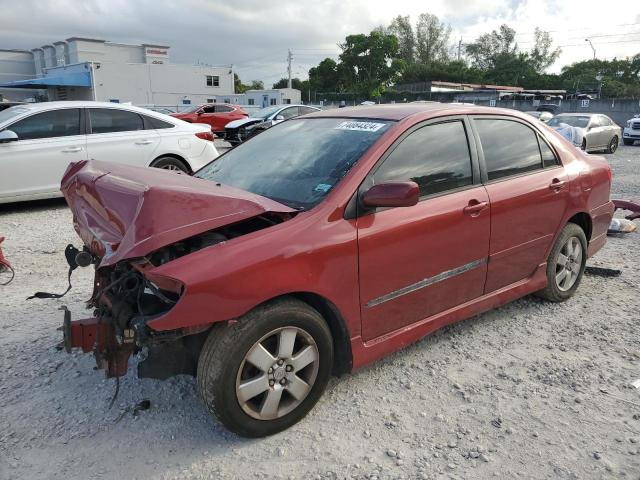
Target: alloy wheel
568,264
277,373
170,166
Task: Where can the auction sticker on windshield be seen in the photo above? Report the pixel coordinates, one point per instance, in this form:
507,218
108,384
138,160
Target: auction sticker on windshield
360,126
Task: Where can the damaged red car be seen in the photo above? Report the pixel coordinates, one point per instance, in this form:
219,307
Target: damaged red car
326,243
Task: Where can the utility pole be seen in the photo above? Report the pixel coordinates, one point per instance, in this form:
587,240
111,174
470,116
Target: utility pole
592,47
459,48
289,58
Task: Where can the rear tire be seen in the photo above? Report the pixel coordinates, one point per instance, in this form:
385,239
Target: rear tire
613,145
565,264
171,163
267,371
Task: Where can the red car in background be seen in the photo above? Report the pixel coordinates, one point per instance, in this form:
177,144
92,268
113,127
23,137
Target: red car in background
325,243
215,114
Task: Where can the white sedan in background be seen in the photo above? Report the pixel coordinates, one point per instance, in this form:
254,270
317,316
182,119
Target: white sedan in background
39,140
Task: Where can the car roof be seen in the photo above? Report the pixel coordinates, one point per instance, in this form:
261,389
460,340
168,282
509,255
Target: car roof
576,114
30,108
399,111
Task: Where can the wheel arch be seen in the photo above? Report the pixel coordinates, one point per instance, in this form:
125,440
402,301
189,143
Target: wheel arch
584,221
342,354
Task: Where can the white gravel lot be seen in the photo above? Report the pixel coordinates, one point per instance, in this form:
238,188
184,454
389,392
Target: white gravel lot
530,390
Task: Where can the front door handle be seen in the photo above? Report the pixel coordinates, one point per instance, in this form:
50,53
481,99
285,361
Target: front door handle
557,185
475,207
144,142
72,150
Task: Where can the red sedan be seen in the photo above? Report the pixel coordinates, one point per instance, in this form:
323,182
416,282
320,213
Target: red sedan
215,114
326,243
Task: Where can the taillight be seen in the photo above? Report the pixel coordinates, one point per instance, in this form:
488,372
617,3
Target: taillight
206,136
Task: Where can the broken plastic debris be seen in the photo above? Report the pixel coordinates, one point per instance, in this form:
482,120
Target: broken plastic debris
621,225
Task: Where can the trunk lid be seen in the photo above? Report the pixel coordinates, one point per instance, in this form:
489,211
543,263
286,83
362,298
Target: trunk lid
121,211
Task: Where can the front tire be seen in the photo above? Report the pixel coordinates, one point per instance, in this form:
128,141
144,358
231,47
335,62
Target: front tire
565,264
267,371
613,145
627,141
170,163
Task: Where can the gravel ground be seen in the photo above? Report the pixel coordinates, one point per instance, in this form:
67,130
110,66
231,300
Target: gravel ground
530,390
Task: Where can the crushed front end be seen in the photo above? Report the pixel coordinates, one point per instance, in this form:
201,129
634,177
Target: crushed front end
133,221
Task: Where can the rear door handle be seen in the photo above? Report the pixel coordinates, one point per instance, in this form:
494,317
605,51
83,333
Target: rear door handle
144,142
475,207
556,184
72,150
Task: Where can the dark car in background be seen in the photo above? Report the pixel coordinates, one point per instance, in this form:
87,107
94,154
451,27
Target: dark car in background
5,105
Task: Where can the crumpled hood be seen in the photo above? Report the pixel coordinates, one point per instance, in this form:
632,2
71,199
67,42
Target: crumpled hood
121,211
243,122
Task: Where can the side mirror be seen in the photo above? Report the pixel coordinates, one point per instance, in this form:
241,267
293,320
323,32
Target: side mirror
392,194
8,136
279,118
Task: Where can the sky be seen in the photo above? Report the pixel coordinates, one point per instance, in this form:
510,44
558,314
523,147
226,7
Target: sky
255,35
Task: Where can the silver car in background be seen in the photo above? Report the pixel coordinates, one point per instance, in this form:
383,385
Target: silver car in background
588,131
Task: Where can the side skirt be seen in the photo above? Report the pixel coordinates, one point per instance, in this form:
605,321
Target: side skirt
365,353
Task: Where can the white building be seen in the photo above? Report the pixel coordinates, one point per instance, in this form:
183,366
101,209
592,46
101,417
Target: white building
16,65
276,96
91,69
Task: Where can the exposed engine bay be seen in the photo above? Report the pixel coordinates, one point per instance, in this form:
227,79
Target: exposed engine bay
124,299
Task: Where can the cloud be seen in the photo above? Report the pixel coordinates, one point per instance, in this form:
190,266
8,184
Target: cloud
254,35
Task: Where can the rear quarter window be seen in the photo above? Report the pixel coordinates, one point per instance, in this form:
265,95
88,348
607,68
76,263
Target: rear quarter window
509,147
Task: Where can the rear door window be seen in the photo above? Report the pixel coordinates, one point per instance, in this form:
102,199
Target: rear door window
549,158
152,123
510,148
55,123
290,112
108,120
436,157
223,109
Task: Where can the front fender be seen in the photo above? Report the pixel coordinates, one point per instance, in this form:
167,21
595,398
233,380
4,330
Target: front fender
227,280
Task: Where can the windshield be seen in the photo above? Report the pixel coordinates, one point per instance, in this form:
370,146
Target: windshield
574,121
297,162
263,113
11,112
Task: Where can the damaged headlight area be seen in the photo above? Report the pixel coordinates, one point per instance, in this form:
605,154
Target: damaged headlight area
129,294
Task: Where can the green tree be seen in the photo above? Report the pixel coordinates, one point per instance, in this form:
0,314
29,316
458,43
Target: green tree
543,55
401,27
324,77
256,85
432,39
369,63
493,50
238,86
